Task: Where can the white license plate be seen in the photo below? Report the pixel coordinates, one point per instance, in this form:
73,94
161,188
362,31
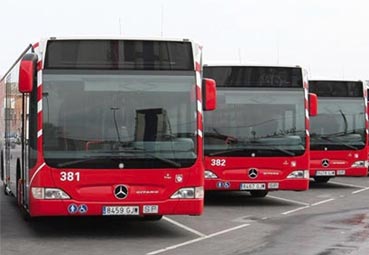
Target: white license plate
325,173
120,210
150,209
341,172
252,186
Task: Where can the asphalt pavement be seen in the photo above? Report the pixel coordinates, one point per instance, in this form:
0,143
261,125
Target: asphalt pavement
328,219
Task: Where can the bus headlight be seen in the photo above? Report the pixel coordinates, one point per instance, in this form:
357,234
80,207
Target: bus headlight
299,174
361,163
49,193
186,193
210,175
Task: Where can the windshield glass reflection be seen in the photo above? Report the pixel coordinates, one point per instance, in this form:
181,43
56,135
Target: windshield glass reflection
96,121
340,124
249,121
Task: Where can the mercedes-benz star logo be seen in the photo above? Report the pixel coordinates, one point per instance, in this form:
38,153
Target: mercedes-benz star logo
121,192
253,173
325,162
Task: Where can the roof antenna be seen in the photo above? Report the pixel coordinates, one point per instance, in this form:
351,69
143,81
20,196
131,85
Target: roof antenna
239,55
277,46
120,27
162,20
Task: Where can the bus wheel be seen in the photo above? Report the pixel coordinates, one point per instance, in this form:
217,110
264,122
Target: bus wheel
258,193
25,215
321,179
152,217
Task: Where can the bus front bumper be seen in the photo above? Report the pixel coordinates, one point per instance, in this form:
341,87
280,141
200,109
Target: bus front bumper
337,172
247,185
81,208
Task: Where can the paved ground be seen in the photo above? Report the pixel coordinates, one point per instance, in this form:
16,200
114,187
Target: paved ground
328,219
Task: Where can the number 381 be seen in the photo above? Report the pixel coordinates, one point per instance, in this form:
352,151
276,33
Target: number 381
69,176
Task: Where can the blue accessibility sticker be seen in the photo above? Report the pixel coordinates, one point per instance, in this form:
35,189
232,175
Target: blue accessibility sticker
72,208
83,209
223,185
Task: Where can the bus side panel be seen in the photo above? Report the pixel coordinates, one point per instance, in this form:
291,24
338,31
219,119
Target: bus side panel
13,130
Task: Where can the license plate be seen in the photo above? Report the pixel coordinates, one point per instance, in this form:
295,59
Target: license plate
341,172
325,173
120,210
252,186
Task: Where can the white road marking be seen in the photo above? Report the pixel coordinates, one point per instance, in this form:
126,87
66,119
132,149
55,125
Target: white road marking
197,239
348,185
322,202
227,230
175,246
204,237
184,227
295,210
308,206
360,190
289,200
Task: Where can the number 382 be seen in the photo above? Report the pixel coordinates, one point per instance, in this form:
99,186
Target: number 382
218,162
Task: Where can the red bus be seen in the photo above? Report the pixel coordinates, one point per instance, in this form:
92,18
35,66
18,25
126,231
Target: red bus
107,126
257,139
339,133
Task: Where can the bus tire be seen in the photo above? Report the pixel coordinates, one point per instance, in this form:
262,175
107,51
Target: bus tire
5,192
258,193
321,179
25,215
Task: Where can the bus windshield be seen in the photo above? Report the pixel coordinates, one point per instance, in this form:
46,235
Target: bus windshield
119,119
340,124
252,122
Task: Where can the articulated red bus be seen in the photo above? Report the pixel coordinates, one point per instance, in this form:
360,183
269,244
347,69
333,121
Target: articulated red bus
105,127
258,140
339,133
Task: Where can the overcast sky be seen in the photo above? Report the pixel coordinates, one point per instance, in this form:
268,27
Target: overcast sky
330,38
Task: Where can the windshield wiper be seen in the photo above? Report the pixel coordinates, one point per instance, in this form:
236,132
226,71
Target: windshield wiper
270,147
129,150
335,142
228,139
77,161
344,120
151,155
342,133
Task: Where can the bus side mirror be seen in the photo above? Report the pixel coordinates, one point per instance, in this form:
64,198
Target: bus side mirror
313,104
27,71
209,91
